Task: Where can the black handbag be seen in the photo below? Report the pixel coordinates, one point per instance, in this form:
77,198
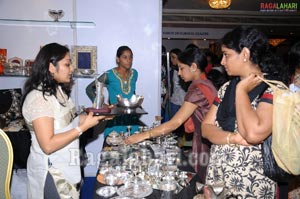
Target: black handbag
10,105
271,169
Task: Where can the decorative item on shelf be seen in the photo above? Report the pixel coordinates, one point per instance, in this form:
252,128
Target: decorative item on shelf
85,72
28,66
3,58
29,62
56,14
14,66
10,106
84,60
15,61
219,4
8,69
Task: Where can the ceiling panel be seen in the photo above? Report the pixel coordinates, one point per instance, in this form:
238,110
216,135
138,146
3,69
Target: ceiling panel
197,14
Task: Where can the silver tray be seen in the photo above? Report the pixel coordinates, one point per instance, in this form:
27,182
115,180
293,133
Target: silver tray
118,111
139,190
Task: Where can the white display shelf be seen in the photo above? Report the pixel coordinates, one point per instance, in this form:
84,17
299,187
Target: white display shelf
45,23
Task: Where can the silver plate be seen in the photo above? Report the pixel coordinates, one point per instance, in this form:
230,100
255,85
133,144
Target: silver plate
139,190
114,141
106,191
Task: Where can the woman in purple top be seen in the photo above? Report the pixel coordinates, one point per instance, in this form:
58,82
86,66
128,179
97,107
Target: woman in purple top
192,63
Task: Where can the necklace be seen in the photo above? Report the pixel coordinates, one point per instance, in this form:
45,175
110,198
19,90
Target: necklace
125,82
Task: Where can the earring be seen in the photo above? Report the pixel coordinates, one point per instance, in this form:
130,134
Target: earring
245,59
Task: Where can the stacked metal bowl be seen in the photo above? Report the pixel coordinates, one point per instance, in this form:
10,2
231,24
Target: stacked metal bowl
134,102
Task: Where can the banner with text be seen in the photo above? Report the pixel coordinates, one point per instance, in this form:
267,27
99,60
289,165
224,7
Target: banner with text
193,33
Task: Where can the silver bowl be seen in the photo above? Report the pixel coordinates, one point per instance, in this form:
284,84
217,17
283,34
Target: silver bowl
56,14
134,102
111,178
87,71
168,185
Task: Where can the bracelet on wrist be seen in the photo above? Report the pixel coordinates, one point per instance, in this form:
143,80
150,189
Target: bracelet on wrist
79,130
228,139
150,134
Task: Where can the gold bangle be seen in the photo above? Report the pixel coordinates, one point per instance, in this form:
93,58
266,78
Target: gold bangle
228,138
150,134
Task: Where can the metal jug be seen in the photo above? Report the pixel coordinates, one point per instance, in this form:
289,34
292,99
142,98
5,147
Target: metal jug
99,99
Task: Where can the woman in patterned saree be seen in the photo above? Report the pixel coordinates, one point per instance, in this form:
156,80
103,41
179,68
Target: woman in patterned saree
120,80
241,117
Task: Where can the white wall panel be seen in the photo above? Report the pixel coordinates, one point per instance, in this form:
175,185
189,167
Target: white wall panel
136,23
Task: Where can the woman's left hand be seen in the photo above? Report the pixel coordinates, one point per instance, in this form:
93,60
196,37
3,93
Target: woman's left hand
238,139
90,120
249,82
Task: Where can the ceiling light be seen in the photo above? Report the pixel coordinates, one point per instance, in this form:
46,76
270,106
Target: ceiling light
219,4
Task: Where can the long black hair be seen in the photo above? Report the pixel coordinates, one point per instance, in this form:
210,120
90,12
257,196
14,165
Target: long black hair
260,52
294,58
41,78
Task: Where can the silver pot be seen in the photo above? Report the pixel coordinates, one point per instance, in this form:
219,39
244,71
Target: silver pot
134,102
111,178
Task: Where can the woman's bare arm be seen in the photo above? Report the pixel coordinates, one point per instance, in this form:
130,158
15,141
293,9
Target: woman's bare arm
215,134
185,111
254,125
50,142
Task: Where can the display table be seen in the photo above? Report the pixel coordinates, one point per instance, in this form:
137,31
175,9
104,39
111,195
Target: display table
186,192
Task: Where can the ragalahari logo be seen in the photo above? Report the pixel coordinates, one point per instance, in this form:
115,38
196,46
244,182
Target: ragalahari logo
282,7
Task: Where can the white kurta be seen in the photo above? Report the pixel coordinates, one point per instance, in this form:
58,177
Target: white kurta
66,159
178,94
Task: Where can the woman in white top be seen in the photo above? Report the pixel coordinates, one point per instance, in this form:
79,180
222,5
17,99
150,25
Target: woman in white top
177,91
50,115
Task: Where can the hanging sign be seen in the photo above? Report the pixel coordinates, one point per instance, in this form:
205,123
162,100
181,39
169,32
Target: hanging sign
193,33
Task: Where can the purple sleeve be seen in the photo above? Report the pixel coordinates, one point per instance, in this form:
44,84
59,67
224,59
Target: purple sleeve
196,97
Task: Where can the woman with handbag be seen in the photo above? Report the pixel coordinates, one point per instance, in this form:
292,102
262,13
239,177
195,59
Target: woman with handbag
241,117
53,166
200,94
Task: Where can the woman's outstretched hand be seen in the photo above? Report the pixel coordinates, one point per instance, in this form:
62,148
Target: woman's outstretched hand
135,138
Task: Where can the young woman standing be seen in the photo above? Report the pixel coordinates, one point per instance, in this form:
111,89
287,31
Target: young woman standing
49,114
